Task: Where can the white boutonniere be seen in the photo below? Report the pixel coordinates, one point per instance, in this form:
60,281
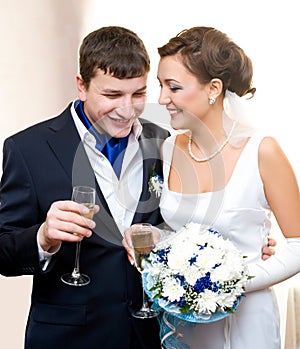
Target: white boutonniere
155,183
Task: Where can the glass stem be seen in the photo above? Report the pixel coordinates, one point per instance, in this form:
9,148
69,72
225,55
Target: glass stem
145,306
76,272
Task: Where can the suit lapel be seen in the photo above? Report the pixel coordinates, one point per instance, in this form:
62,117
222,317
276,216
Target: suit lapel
64,140
65,143
150,148
83,174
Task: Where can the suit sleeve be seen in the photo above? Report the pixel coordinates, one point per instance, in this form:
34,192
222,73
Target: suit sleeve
18,216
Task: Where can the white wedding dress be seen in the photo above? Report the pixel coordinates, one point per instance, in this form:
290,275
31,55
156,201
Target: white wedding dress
241,213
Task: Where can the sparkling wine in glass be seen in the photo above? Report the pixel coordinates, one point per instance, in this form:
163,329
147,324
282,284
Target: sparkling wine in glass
142,242
86,196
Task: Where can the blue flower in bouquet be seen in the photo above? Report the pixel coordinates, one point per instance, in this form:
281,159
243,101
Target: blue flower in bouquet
155,183
196,275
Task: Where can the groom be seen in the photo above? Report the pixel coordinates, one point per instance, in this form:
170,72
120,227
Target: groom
39,225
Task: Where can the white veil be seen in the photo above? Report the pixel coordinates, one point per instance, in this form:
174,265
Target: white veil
240,110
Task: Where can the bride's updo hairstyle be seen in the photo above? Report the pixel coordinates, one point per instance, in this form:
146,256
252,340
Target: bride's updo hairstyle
208,53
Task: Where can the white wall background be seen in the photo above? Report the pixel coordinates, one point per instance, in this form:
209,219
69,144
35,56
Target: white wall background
39,42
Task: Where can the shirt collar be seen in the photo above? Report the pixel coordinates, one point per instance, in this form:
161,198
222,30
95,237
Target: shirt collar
137,127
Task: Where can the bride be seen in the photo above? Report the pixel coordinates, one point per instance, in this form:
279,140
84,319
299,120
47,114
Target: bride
224,173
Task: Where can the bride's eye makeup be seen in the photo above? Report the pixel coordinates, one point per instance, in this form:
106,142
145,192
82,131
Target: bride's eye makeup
174,88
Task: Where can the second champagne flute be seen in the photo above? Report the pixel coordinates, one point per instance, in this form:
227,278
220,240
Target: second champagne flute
142,242
86,196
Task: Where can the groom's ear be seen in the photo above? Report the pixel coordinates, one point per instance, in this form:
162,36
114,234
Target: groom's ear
81,88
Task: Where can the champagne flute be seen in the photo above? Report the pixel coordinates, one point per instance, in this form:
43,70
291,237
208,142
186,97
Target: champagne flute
86,196
142,242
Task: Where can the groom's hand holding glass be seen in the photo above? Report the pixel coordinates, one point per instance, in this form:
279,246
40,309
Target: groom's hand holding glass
65,222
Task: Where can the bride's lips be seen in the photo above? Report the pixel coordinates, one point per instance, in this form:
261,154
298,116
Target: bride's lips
174,112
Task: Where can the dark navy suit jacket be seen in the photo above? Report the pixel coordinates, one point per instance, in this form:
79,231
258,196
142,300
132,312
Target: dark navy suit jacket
40,166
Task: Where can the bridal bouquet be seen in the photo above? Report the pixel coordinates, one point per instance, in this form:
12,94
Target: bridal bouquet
196,275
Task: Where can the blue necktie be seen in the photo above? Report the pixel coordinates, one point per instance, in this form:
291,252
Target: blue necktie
112,148
114,152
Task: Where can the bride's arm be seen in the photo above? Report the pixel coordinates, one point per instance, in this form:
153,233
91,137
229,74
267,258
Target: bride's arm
282,192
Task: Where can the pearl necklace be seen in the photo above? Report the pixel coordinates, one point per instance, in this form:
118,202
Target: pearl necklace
214,153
